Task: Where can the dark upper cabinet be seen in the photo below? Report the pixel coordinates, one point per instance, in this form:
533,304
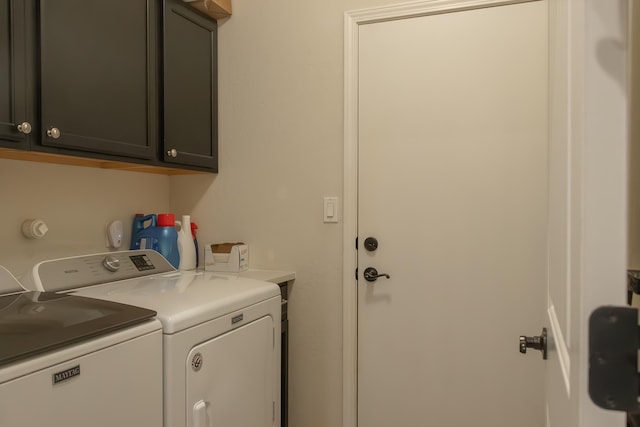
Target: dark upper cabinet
131,81
16,111
98,76
190,87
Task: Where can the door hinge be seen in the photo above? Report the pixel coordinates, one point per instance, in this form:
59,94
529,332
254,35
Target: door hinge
356,243
356,273
614,341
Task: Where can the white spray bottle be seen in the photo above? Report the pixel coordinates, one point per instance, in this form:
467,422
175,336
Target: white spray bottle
186,247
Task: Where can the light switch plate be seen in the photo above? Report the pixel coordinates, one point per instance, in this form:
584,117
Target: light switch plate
331,209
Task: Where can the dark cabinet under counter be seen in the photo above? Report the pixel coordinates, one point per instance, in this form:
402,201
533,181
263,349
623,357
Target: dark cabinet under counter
284,365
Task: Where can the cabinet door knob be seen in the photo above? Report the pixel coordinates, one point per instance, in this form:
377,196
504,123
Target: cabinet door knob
172,153
25,127
53,133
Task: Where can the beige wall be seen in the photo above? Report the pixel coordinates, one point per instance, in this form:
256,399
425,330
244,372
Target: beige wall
75,202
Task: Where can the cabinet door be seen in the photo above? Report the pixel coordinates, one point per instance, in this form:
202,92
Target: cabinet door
98,76
13,76
190,133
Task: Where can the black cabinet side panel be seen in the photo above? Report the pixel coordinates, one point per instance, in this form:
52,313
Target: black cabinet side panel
13,74
6,90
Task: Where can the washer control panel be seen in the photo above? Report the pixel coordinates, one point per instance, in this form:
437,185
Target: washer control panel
76,272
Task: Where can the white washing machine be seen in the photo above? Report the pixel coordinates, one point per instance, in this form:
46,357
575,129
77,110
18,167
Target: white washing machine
72,361
221,334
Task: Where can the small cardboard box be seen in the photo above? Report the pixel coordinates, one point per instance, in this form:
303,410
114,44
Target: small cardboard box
230,257
217,9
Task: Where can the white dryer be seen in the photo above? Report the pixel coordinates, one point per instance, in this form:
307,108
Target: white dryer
73,361
221,334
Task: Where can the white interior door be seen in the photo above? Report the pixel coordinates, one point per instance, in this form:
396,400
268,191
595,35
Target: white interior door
588,52
588,194
452,183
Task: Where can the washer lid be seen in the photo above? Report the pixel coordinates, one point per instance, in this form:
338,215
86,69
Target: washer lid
186,299
8,283
36,322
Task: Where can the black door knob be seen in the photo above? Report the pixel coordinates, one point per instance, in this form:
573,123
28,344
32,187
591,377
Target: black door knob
536,342
371,274
371,244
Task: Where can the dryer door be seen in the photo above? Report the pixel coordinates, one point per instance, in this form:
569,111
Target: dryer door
232,379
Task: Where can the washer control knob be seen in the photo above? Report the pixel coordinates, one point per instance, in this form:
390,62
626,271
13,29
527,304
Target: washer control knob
111,263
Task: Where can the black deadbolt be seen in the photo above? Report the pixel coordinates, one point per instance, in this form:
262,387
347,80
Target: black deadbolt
371,244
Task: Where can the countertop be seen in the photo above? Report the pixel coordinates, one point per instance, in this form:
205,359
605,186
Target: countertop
274,276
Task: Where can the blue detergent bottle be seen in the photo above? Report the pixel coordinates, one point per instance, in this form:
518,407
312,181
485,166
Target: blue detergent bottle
138,226
162,238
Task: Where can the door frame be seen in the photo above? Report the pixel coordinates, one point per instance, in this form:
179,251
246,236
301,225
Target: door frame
352,22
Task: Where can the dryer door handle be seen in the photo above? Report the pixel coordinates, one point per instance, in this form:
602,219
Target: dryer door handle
200,418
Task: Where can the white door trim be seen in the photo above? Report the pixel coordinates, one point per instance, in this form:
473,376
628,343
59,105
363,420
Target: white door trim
352,21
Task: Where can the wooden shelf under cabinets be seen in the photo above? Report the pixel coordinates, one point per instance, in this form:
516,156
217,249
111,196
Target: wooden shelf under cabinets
31,156
216,9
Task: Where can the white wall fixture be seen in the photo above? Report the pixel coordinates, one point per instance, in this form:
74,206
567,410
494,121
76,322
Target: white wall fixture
331,209
114,234
34,228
